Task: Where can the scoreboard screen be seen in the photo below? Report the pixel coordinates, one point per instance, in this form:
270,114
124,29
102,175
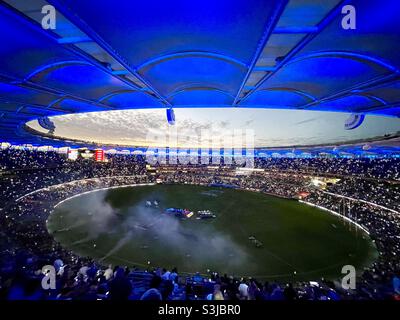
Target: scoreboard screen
99,155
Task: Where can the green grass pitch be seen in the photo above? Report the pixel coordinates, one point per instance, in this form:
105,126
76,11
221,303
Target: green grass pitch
299,242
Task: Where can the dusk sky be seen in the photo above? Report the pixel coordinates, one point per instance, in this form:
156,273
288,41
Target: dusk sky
272,128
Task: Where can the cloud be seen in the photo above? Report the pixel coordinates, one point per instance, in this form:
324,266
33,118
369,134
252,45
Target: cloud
305,121
277,127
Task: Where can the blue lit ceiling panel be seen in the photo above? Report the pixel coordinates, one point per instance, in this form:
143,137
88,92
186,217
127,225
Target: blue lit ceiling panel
121,54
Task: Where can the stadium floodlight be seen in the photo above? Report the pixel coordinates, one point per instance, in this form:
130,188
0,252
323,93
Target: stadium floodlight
366,147
5,145
171,116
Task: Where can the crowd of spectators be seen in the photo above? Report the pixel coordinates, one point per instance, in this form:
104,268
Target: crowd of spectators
18,176
379,168
384,229
385,193
280,184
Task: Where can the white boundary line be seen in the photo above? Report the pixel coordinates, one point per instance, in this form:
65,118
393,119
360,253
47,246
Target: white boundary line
54,186
336,214
360,200
100,178
102,189
151,184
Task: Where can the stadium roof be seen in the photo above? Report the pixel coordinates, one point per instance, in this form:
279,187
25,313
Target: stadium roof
106,55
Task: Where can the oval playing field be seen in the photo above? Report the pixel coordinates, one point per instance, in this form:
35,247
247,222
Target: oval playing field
253,234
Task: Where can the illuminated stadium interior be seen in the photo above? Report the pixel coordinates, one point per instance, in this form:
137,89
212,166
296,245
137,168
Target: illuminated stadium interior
199,150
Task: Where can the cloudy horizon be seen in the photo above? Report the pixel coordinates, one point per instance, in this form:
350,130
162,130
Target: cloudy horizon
272,128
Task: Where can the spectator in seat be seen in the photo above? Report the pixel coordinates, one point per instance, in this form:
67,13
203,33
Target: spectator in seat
120,286
153,293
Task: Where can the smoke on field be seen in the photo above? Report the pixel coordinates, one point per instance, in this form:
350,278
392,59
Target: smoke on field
199,241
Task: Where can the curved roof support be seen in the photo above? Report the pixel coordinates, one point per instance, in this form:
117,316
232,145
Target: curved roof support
71,48
55,65
55,102
358,87
34,105
41,88
344,55
114,93
363,58
74,19
20,109
199,88
203,54
368,96
371,97
301,44
381,107
291,90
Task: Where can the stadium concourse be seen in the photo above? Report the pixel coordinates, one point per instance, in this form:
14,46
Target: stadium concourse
33,182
